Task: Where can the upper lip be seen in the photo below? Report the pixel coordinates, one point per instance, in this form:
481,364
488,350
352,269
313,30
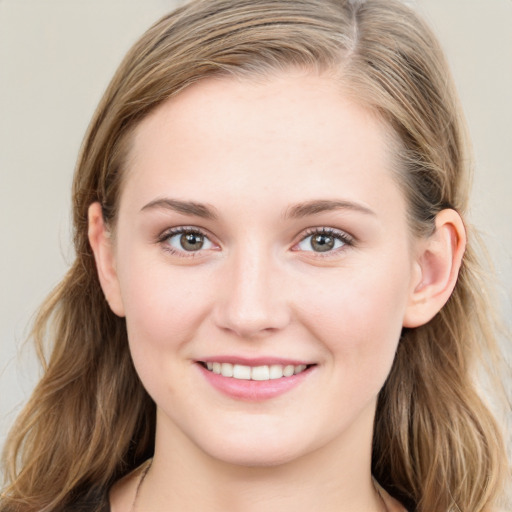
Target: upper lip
254,361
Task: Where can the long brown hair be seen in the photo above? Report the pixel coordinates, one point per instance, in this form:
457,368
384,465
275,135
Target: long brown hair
436,446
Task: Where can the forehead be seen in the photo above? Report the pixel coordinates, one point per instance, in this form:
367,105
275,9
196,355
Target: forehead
296,133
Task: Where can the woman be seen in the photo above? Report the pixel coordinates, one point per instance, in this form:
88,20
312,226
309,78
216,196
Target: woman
270,305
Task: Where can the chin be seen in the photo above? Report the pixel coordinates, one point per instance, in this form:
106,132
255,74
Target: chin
255,458
263,451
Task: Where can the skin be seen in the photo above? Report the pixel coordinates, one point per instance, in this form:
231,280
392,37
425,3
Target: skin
251,153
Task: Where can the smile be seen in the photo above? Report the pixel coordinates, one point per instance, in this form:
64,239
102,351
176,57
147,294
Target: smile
253,380
259,373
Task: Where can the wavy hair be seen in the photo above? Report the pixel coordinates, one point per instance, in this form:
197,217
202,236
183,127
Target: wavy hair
436,446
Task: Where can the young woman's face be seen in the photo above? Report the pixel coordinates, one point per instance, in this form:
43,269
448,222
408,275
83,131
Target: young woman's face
261,232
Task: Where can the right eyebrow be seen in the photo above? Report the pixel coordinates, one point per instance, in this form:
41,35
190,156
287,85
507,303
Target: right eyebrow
183,207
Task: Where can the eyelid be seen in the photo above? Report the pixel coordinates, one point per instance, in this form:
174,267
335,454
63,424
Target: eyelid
177,230
347,239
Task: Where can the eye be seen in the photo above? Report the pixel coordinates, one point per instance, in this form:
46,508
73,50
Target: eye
324,240
186,240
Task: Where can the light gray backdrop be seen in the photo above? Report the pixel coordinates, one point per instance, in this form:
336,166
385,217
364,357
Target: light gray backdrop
56,58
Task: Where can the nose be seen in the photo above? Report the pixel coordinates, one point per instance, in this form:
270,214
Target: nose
254,300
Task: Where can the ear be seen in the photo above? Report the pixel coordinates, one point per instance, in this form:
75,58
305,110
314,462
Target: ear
438,262
103,249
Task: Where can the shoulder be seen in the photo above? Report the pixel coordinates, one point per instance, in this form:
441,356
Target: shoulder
96,500
123,492
392,504
118,498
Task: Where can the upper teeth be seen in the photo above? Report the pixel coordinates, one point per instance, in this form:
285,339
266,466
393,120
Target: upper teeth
265,372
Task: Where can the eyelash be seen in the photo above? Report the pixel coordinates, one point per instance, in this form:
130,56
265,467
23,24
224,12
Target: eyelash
164,238
346,239
342,236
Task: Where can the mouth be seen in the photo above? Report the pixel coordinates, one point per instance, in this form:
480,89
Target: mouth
254,380
255,373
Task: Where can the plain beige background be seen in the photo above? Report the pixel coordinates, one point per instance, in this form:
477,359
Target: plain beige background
56,58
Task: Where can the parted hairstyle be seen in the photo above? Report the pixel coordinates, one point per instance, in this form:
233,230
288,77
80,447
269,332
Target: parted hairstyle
436,447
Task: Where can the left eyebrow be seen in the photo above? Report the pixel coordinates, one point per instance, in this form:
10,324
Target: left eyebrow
315,207
183,207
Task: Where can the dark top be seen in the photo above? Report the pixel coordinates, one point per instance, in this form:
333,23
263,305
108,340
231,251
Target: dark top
95,501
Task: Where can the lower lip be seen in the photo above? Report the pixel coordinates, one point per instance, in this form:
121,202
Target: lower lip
253,390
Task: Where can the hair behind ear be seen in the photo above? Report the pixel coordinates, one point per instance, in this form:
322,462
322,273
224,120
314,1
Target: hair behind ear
89,419
430,419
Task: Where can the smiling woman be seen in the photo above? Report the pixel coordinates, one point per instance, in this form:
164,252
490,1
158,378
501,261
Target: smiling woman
275,303
315,290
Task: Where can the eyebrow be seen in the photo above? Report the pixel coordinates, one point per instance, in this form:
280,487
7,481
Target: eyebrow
324,205
184,207
296,211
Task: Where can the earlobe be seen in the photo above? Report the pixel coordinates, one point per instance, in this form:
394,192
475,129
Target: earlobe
102,247
438,262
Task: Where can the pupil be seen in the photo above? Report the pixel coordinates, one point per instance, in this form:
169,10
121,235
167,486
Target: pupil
322,243
191,241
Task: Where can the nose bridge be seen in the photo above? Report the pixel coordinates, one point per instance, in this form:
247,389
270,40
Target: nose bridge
254,301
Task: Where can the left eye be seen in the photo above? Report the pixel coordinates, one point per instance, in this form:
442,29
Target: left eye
189,241
322,242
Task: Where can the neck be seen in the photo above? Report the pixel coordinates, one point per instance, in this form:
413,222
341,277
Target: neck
334,477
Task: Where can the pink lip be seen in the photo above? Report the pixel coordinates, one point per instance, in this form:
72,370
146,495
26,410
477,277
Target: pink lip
253,390
256,361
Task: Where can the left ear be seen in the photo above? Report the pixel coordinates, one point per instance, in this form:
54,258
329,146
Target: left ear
438,262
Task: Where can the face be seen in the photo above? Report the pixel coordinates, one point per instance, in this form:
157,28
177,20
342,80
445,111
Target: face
261,233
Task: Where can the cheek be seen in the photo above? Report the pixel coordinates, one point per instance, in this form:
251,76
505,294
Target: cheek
163,306
357,313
